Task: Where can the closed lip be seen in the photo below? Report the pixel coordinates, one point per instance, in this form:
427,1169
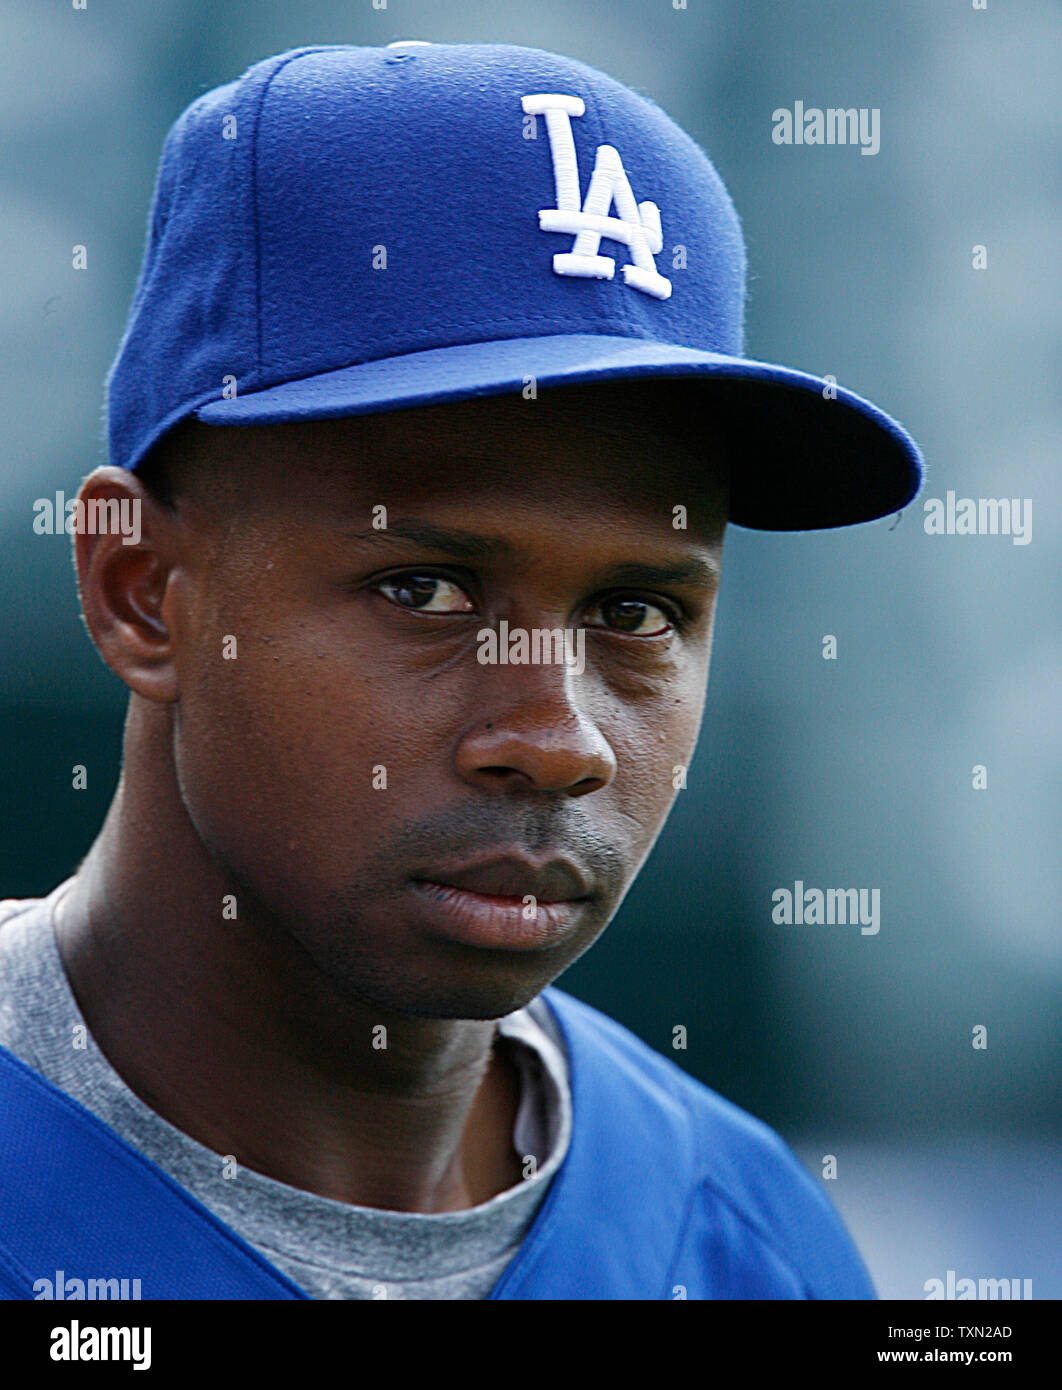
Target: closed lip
513,876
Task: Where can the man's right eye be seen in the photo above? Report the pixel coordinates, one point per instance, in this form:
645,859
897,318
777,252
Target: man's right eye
426,593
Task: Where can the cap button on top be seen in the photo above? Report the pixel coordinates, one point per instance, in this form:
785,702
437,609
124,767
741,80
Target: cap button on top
392,57
406,43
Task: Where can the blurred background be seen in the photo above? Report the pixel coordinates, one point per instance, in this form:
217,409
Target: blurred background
854,772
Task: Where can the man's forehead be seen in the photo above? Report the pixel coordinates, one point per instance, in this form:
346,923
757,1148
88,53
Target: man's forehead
493,475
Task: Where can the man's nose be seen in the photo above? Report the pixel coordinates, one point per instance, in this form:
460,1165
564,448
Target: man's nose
536,737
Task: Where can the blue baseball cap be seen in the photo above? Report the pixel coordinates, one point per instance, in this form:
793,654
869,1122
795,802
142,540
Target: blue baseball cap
347,230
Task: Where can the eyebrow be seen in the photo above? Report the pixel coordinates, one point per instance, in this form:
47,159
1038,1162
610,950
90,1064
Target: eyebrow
467,545
462,545
695,570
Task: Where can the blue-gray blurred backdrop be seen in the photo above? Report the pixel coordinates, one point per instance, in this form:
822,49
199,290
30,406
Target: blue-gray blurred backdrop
857,771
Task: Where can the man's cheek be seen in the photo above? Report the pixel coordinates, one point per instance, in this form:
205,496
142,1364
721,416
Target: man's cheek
642,791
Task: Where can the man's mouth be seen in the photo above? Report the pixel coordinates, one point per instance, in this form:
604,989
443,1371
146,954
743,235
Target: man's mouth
513,878
506,902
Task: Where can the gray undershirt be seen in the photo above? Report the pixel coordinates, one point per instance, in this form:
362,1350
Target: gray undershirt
330,1249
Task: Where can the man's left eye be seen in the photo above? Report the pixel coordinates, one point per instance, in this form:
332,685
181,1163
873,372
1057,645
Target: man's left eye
426,593
633,616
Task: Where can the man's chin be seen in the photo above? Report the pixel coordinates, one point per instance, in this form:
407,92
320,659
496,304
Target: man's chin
491,991
467,999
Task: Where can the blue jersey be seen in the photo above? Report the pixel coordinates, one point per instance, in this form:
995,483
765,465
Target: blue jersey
668,1191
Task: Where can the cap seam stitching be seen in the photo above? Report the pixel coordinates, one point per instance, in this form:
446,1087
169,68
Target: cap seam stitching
291,58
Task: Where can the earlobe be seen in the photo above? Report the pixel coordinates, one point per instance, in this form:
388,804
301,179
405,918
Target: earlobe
124,551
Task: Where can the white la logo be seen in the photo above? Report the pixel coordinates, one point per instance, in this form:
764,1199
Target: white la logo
637,226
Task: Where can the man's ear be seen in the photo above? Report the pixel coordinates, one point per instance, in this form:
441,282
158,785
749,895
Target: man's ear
124,548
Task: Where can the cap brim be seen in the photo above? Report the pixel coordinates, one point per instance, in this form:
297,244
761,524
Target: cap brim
808,454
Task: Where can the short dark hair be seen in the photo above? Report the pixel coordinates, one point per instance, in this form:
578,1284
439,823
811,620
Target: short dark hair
154,472
163,469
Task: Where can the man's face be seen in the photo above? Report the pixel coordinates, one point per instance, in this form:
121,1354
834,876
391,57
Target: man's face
357,756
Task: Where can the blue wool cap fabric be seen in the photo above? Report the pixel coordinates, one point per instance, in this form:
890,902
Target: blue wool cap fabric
347,230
